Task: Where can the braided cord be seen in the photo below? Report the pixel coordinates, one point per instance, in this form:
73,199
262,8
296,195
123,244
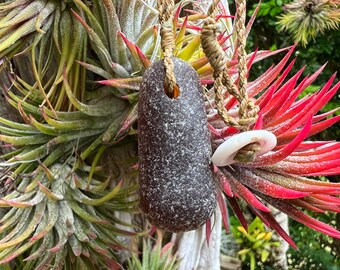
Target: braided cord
223,82
165,9
248,111
218,60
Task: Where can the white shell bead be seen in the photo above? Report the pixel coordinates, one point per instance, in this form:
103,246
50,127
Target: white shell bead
225,153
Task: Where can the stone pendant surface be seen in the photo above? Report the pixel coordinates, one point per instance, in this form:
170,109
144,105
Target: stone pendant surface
177,191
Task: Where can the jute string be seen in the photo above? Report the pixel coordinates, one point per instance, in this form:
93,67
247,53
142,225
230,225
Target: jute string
166,9
222,80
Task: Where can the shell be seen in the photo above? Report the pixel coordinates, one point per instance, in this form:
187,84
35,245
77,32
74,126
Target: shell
225,153
177,191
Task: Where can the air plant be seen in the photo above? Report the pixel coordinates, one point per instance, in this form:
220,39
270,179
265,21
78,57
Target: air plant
282,177
306,18
155,256
63,200
75,148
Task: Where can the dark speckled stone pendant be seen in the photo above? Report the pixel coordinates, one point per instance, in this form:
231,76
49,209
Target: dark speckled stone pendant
177,191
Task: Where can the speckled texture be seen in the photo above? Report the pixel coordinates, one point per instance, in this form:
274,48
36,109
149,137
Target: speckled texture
177,191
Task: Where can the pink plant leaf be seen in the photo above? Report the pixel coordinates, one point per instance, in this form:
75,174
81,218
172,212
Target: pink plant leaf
181,33
305,205
259,122
223,208
277,101
127,83
167,247
315,158
222,133
315,169
274,157
277,83
265,79
301,217
176,17
290,84
129,120
267,218
262,103
267,187
238,211
245,193
302,86
316,128
307,145
252,19
222,38
287,110
322,99
190,26
208,230
319,117
328,198
334,171
136,51
224,184
298,183
286,116
295,119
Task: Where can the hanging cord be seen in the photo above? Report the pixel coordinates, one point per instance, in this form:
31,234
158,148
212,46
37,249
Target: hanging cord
218,61
222,81
248,110
166,9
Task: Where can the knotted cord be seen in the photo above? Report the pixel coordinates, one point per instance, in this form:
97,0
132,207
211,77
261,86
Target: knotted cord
222,80
248,110
166,9
218,61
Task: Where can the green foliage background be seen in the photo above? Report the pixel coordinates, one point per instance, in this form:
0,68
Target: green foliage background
265,34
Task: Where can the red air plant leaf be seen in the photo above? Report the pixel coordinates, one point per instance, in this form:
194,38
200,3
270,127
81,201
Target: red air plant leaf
208,230
135,51
281,176
270,221
279,155
127,83
223,208
267,187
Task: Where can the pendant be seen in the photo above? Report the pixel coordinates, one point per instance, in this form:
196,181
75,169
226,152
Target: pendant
177,191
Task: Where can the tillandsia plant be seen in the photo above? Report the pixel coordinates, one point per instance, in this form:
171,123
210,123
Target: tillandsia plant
304,19
63,200
69,166
157,256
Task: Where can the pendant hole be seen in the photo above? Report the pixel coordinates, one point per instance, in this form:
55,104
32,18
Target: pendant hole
174,94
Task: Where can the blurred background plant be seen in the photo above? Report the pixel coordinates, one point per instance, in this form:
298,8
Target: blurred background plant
266,34
256,243
304,19
315,251
155,256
